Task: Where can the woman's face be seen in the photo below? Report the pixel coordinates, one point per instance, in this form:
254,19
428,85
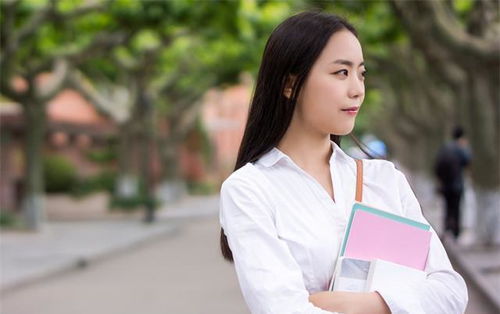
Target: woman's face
334,90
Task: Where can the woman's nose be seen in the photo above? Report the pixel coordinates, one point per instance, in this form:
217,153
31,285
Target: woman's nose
356,88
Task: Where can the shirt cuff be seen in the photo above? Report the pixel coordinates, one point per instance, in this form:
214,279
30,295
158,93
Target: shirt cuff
402,298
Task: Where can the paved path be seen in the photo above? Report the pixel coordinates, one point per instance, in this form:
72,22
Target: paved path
64,245
171,272
479,265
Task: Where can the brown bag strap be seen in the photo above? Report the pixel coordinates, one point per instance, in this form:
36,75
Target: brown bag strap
359,180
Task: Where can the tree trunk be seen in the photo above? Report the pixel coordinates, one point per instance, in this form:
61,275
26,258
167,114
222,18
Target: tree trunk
173,186
127,182
147,135
170,159
437,33
483,116
488,218
33,196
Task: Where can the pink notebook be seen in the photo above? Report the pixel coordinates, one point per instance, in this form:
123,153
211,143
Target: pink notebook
372,233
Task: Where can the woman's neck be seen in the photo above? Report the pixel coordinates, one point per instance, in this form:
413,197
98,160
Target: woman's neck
306,148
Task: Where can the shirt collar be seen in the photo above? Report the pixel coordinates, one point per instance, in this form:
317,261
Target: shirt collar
270,158
273,156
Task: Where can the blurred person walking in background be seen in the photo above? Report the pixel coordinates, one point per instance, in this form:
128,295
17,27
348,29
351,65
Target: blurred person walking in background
451,160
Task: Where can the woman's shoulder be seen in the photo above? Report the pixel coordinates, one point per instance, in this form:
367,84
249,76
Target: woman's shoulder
248,176
379,165
248,183
381,169
369,165
384,172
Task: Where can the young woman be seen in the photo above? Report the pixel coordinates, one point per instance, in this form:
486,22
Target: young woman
284,210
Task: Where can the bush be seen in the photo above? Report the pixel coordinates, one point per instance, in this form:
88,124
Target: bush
104,181
133,203
101,156
59,174
201,188
9,219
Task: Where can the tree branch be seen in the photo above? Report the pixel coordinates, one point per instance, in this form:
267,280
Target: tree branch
7,90
102,42
32,25
449,30
120,98
483,19
56,83
7,23
429,19
84,9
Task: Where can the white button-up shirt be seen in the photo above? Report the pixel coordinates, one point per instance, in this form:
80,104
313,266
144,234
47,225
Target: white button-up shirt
285,232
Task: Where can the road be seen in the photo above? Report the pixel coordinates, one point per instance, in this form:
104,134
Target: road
178,274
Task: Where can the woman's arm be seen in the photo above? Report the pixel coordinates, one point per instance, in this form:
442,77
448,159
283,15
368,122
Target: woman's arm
444,290
270,278
350,302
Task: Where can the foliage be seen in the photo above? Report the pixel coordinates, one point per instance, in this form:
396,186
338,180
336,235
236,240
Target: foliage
133,203
9,219
173,51
59,174
103,181
201,188
142,199
102,156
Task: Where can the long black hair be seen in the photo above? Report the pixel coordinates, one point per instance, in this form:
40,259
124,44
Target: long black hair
290,52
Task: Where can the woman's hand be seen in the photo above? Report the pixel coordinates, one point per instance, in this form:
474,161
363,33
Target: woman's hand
350,302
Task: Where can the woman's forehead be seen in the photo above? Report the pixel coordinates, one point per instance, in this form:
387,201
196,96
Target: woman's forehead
342,45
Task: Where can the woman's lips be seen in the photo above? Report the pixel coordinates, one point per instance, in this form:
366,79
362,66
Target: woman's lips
351,110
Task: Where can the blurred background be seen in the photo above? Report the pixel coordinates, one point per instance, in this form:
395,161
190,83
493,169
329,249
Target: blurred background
120,119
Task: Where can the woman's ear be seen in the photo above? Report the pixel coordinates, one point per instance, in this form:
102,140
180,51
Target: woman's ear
287,92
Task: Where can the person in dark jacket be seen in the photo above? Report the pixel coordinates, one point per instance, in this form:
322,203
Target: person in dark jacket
451,160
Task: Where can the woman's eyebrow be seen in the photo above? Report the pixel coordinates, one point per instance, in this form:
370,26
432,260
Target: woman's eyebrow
347,62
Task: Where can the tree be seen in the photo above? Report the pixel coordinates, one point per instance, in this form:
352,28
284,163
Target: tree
33,42
463,46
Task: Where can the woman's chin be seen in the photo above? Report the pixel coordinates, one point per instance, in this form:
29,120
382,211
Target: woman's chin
343,131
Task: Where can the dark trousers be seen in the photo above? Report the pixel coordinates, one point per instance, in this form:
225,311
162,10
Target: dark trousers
452,216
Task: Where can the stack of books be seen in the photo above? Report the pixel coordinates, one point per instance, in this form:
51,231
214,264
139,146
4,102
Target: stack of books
380,248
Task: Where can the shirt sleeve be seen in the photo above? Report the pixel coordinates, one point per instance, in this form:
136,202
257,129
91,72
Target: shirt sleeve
270,279
465,156
444,290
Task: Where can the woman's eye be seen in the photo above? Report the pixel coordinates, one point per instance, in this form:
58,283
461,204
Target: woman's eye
343,72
